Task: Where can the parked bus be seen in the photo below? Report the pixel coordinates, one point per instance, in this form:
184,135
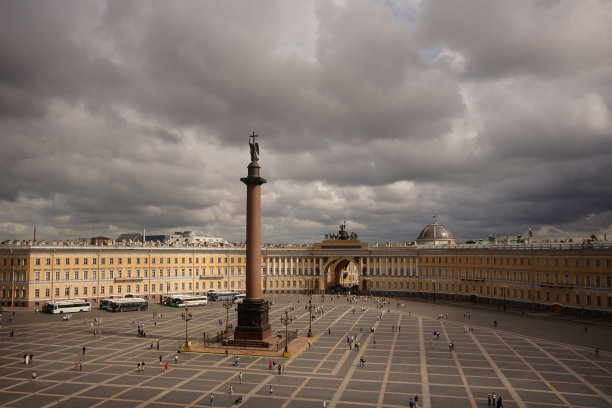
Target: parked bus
104,303
66,306
188,300
219,296
239,298
127,305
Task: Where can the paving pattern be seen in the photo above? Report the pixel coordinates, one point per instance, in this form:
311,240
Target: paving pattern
400,363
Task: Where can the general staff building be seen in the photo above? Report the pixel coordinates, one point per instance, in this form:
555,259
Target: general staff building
560,277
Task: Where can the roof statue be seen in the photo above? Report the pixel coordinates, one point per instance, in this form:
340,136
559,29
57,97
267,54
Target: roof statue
254,148
343,234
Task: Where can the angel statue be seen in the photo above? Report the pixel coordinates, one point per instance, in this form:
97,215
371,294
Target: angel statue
254,148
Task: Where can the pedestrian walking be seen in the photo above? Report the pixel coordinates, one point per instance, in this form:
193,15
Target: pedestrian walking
138,368
166,367
212,399
175,359
142,365
271,391
160,359
76,366
324,404
279,369
489,399
84,348
157,342
270,365
33,376
231,390
80,365
240,377
416,401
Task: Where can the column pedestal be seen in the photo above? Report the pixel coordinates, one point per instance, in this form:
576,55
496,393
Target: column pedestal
253,327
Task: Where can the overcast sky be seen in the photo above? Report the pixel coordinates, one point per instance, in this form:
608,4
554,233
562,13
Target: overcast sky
117,116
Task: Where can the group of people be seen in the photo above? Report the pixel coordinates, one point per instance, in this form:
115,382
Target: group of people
28,359
495,400
414,402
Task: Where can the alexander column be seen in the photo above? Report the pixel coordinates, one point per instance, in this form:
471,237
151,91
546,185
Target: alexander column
253,325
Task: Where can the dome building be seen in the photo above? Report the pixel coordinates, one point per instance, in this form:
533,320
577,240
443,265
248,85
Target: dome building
435,234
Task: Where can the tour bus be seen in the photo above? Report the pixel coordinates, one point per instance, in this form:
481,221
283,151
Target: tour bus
104,303
127,305
66,306
239,298
188,300
219,296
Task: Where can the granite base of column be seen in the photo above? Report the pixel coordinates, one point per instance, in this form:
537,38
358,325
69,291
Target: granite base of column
253,329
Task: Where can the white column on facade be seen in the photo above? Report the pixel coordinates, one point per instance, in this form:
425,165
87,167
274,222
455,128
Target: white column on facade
360,274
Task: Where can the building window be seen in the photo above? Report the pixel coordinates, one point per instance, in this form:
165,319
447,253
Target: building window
37,276
37,293
47,292
56,291
66,291
93,290
85,290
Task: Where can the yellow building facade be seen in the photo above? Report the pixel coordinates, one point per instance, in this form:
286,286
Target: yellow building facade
558,277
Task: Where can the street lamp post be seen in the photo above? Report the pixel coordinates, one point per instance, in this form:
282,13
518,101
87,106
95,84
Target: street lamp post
434,290
286,320
186,317
227,304
310,307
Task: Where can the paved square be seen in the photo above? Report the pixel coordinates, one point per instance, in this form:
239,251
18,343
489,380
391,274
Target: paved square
529,361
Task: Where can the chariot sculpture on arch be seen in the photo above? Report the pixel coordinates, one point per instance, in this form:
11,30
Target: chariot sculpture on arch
343,234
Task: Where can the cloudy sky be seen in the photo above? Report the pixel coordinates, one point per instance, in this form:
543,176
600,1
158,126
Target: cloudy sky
492,115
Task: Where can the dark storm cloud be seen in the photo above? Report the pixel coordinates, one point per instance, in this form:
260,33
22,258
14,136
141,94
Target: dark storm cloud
116,116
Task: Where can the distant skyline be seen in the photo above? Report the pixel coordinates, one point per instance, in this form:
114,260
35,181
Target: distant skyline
494,116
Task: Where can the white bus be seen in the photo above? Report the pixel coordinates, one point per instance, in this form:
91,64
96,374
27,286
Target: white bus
127,305
188,300
239,298
218,296
66,306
